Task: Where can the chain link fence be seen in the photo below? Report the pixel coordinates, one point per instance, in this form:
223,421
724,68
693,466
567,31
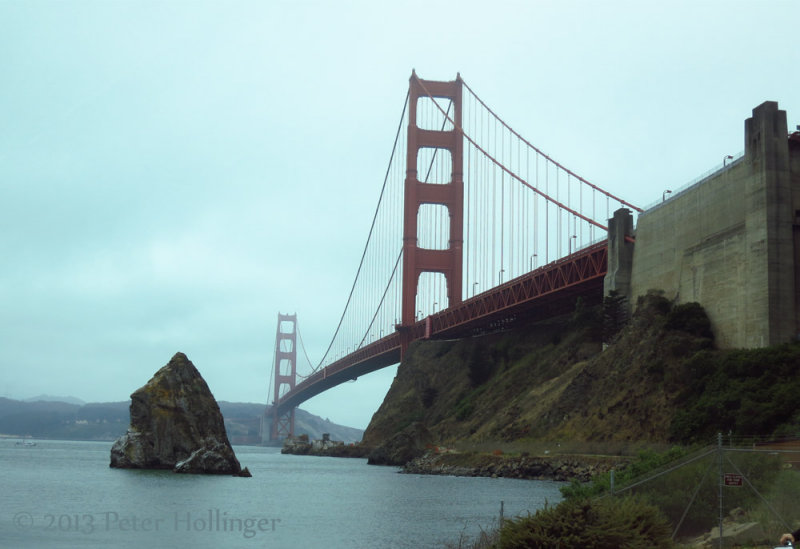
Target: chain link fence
744,489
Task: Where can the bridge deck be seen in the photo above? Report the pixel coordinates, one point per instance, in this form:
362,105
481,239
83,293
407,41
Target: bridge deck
547,291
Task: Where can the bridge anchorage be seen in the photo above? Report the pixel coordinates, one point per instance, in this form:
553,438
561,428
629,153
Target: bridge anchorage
474,226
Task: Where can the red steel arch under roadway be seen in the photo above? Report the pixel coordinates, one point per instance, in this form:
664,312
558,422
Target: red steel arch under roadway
547,291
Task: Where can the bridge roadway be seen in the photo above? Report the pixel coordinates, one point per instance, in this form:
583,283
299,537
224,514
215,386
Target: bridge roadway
548,291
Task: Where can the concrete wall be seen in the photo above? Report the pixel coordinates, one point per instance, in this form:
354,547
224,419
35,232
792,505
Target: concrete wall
731,241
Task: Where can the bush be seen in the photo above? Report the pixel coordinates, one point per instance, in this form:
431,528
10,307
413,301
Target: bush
601,524
648,460
744,391
690,318
671,492
429,396
480,364
615,315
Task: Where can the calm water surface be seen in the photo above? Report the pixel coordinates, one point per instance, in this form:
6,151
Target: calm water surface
63,494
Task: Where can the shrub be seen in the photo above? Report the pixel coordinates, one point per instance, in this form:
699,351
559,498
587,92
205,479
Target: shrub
670,492
647,460
429,396
690,318
744,391
480,365
601,524
615,315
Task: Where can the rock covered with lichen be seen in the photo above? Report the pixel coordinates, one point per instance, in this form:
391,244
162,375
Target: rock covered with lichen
176,424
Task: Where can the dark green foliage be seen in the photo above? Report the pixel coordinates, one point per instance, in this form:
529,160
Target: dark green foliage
655,301
429,396
600,524
748,392
690,318
670,492
586,315
647,460
481,364
615,315
466,405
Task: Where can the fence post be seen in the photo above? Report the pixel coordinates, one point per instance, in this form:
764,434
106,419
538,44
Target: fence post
719,451
612,482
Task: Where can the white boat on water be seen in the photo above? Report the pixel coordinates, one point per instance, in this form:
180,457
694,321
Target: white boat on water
25,442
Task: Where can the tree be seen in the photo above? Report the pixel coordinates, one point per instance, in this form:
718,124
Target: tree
615,315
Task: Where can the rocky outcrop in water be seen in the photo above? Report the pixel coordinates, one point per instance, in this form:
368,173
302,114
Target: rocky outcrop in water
301,445
176,424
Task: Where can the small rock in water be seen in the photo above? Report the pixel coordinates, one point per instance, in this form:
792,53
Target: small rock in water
176,424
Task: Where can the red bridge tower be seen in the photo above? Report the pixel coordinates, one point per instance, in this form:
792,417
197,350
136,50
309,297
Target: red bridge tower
285,374
451,195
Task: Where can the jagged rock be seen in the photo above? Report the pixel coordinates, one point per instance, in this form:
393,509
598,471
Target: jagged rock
176,424
406,445
298,445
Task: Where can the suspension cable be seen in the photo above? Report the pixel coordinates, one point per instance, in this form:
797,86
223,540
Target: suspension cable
573,174
505,169
383,297
303,347
372,227
272,371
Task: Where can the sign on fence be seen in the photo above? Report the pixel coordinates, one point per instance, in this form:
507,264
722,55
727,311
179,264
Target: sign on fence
732,480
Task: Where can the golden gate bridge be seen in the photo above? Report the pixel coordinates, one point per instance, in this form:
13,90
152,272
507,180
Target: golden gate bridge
475,229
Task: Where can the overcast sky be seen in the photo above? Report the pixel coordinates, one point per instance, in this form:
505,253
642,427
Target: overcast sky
174,174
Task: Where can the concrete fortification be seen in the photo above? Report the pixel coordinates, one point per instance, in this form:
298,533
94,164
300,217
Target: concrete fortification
730,242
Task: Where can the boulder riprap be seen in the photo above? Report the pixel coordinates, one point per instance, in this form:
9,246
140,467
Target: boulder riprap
176,424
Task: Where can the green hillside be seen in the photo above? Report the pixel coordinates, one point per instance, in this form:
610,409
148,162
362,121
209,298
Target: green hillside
659,380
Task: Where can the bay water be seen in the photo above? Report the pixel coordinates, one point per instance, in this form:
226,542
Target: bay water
63,494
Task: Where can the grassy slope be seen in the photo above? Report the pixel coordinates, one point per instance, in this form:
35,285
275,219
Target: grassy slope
551,382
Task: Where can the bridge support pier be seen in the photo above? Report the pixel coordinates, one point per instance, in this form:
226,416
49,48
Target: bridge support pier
620,255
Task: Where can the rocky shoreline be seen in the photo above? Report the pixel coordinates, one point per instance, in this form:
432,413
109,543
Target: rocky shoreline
442,461
558,468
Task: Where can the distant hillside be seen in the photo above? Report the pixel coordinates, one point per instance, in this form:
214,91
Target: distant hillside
659,381
242,421
61,420
51,398
110,420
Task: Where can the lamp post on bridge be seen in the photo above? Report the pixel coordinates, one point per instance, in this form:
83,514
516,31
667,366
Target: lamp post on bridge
533,262
474,288
571,238
664,195
500,275
725,159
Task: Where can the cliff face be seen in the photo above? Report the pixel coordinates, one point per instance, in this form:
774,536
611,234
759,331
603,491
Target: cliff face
545,382
175,424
